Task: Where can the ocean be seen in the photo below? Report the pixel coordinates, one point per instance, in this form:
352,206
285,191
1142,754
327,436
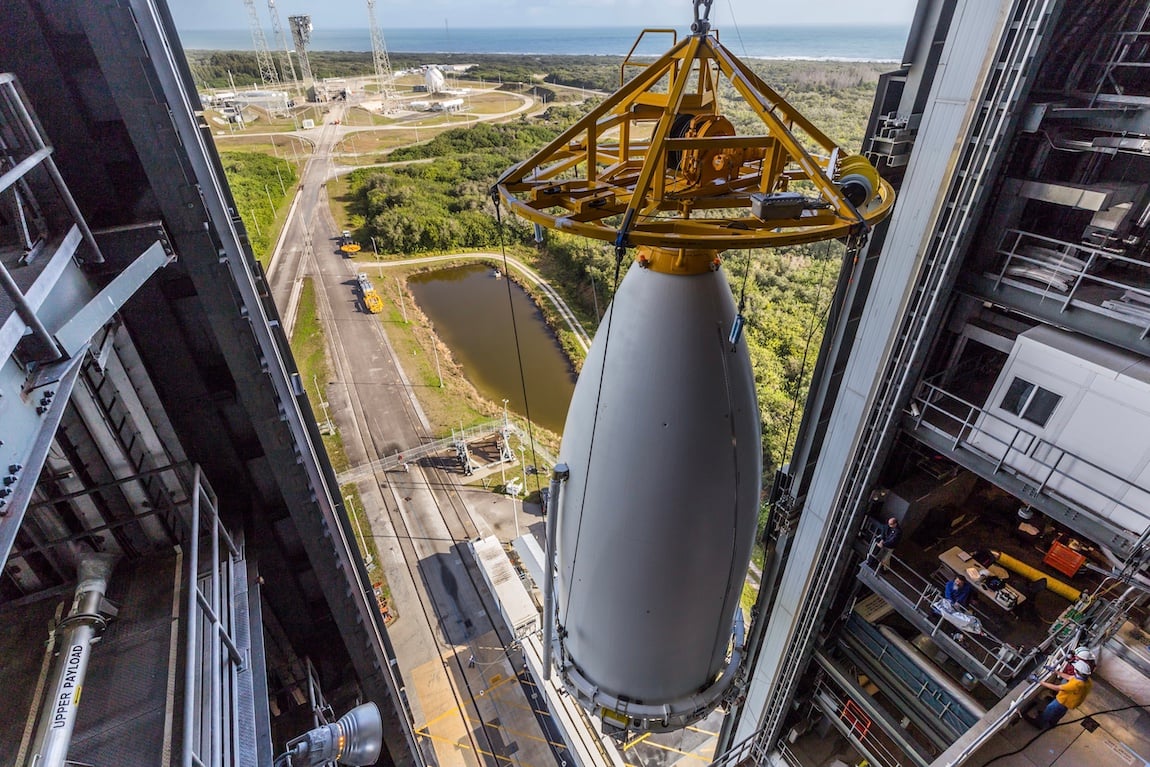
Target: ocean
820,42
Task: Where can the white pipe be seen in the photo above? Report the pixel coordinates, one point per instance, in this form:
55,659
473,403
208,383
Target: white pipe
558,477
86,620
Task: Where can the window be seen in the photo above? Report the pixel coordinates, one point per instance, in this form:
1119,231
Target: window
1030,402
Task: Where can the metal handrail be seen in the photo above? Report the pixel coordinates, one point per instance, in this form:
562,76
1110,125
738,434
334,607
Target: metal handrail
835,708
1014,240
399,457
990,652
1021,443
209,602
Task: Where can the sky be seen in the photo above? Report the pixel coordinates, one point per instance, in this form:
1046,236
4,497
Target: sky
346,14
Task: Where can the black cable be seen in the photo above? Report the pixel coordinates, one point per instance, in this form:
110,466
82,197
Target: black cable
738,33
515,332
620,250
807,346
1062,724
740,318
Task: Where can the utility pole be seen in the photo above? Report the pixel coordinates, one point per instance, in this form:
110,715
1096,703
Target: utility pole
503,458
435,350
359,527
402,305
523,468
327,427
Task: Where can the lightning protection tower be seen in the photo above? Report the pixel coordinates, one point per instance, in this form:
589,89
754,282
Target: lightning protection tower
286,66
382,63
263,56
301,36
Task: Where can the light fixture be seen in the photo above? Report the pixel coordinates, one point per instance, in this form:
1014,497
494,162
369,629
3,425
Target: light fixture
356,739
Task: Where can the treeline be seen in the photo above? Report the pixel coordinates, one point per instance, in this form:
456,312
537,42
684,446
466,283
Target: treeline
259,184
219,69
445,204
791,78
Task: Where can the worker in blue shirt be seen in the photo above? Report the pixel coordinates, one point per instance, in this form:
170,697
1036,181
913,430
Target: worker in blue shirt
959,591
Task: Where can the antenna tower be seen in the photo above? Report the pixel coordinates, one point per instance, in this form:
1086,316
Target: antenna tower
263,56
286,64
382,63
301,36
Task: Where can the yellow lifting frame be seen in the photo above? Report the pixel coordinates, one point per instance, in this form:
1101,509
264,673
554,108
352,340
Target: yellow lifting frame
584,184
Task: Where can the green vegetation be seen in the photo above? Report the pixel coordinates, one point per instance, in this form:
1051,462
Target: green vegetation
260,184
444,204
219,69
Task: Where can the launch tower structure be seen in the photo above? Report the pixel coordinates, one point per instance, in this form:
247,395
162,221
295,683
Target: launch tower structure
288,66
301,36
263,56
381,62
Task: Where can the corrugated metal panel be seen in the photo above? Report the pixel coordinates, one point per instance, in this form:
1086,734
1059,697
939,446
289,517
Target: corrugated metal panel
943,132
514,602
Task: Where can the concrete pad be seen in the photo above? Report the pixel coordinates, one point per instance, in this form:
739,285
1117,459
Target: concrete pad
446,726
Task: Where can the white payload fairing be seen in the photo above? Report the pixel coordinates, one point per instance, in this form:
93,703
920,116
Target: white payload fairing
654,506
660,505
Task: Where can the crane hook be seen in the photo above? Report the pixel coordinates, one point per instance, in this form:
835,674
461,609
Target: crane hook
702,24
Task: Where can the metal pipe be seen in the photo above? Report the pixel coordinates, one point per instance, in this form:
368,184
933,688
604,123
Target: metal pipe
191,662
28,315
911,653
33,127
558,476
217,720
89,615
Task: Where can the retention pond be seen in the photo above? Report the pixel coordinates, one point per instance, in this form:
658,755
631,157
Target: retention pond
469,308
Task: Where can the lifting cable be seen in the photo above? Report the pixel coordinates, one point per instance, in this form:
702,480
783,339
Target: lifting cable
620,252
740,318
515,333
853,245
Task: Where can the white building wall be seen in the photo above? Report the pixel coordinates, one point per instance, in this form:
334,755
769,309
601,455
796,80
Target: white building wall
1101,423
977,26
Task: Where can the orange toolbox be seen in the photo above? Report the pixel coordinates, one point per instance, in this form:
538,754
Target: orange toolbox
1064,559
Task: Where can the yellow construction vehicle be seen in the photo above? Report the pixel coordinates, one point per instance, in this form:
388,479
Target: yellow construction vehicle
372,303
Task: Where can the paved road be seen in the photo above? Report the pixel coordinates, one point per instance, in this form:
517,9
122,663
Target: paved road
419,518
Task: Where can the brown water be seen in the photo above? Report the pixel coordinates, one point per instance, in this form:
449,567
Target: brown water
469,308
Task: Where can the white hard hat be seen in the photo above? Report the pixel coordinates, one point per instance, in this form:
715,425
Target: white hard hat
1082,668
1085,653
